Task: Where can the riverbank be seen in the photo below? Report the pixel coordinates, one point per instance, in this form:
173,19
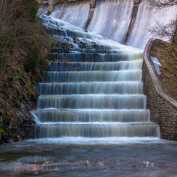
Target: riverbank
24,49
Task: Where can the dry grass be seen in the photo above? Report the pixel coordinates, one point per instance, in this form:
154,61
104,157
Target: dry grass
166,53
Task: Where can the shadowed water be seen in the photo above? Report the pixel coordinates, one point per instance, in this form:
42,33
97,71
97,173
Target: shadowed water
141,159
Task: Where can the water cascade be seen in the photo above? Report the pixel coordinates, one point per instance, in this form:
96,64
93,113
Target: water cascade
93,90
91,115
112,18
75,13
146,20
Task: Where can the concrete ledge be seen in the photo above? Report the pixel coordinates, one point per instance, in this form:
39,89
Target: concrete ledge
42,1
136,1
163,108
52,3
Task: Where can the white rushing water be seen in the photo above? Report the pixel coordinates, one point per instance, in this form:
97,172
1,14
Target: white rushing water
75,13
146,20
93,91
112,18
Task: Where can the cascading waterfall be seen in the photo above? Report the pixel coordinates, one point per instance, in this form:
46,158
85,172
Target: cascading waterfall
88,96
111,19
75,13
146,20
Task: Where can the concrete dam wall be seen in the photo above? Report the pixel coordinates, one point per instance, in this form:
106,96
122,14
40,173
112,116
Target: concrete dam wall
125,21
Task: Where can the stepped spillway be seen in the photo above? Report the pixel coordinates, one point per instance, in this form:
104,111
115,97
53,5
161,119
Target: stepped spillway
92,91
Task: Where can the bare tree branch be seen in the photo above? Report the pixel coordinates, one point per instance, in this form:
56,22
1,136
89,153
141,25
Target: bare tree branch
159,4
169,30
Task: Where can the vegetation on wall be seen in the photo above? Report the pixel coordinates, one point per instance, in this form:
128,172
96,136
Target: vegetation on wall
166,52
23,54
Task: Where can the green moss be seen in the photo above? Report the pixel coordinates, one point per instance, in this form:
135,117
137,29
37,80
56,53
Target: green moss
27,9
8,40
2,133
18,69
6,120
32,60
22,57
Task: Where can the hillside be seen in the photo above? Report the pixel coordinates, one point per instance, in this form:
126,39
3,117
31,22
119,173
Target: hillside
23,55
166,53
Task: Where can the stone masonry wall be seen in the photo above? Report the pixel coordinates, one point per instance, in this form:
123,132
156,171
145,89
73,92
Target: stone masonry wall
163,108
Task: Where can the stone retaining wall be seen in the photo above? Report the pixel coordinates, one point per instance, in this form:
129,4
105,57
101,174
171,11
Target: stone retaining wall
163,108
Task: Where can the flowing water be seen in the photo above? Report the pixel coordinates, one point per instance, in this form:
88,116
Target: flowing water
75,13
93,95
91,116
112,18
146,20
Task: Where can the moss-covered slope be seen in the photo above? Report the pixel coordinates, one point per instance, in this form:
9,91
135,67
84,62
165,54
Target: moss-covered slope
23,55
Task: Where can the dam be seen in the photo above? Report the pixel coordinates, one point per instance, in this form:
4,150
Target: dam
100,80
91,113
128,22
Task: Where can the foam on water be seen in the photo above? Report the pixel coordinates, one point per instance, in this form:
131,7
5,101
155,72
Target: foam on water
57,24
93,91
112,19
100,141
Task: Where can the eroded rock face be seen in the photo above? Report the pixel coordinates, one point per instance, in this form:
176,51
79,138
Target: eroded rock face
17,99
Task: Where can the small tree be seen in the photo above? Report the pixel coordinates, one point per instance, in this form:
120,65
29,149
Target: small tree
169,30
162,3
